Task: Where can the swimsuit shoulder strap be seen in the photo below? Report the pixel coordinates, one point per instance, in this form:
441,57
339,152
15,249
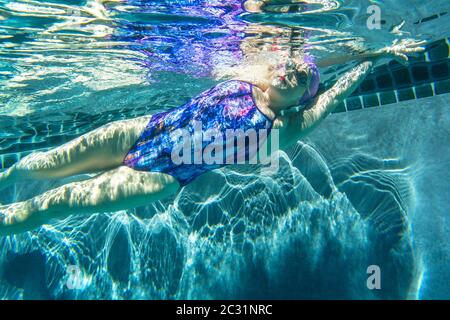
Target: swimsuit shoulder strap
236,87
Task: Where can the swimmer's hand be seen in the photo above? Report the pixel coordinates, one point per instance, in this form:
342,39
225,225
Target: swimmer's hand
400,48
398,51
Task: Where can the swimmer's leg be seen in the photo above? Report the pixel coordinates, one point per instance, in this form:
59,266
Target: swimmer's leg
101,149
119,189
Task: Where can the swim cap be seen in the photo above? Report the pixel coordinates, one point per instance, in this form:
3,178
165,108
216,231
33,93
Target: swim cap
311,90
314,81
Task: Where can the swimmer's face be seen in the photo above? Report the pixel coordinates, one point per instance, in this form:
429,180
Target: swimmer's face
288,83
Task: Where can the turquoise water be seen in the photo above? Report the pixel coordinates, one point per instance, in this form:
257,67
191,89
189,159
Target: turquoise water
368,187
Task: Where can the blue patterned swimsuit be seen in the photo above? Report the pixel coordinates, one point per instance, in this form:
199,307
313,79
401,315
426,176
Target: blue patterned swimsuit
228,105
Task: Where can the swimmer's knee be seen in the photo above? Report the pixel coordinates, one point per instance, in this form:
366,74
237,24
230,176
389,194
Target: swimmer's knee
151,182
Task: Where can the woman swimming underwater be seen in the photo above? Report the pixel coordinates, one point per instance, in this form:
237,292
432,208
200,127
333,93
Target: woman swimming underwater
134,155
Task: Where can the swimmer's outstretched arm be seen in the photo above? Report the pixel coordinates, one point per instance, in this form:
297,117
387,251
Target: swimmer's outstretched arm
298,125
397,51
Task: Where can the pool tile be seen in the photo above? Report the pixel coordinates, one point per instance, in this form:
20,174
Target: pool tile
353,103
393,64
419,73
384,81
387,97
442,86
371,101
357,92
382,69
441,70
420,58
401,77
368,85
439,51
405,94
424,91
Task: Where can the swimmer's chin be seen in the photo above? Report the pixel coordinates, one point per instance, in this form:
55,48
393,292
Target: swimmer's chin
253,6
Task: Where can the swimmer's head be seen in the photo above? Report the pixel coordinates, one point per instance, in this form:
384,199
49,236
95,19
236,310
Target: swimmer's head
288,83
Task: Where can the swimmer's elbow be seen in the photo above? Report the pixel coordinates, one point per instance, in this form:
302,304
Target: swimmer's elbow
324,105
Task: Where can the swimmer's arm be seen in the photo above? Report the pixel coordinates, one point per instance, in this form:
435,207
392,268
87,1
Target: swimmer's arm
328,62
300,124
398,50
325,103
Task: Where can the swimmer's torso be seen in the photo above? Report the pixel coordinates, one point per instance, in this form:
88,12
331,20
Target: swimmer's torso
215,113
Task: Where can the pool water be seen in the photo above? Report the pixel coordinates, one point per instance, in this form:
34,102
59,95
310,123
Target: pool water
370,186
